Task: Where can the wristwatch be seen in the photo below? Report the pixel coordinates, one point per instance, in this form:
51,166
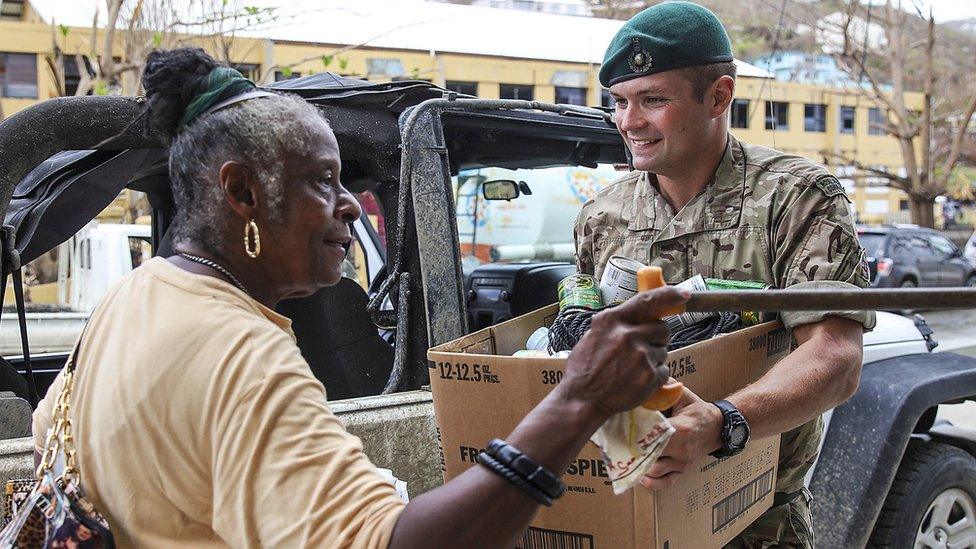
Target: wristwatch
735,430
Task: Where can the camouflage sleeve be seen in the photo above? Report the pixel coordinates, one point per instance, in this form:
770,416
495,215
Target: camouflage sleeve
583,238
815,246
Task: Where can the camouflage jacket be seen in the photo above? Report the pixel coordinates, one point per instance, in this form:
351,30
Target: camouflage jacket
766,216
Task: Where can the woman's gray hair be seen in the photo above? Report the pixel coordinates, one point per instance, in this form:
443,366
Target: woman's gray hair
257,132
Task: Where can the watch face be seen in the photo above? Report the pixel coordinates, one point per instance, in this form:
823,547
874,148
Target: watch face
738,435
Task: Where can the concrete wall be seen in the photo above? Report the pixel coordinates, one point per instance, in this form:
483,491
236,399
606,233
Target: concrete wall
398,433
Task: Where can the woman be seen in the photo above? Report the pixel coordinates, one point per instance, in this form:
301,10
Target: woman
197,421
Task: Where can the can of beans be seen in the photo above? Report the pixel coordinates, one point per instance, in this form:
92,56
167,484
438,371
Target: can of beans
579,290
619,280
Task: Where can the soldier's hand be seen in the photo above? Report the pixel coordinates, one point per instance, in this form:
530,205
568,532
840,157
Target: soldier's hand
697,432
619,362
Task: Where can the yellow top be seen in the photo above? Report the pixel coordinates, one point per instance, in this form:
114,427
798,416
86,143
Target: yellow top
198,422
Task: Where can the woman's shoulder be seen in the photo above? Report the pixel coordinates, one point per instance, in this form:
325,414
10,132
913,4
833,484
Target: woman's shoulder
199,318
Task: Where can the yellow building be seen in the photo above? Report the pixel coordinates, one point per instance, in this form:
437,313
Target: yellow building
456,47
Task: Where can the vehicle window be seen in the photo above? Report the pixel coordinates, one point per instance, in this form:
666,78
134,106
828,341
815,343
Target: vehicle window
529,228
920,245
873,243
140,249
901,246
358,264
942,246
355,265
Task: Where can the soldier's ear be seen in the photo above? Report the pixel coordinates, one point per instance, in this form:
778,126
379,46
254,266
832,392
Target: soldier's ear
720,95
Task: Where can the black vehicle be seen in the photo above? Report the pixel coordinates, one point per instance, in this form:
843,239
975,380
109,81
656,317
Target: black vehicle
907,256
403,142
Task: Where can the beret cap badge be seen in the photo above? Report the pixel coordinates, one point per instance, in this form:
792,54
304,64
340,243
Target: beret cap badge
640,60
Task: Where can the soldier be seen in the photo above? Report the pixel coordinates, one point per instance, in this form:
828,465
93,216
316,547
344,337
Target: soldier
702,202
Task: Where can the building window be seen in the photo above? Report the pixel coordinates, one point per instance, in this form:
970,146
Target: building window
249,70
740,113
847,119
570,96
12,9
18,75
467,88
903,205
391,68
515,91
814,118
876,206
280,75
876,122
777,115
72,76
607,100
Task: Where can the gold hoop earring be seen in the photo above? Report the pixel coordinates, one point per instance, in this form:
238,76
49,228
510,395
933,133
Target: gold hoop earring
251,232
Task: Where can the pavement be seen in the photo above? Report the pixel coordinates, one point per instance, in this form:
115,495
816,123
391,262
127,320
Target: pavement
956,332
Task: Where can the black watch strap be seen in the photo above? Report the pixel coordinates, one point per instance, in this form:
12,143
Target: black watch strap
734,421
540,477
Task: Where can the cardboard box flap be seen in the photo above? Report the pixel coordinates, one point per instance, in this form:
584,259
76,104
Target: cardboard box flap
502,339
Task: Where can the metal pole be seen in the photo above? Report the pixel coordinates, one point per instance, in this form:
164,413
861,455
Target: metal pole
833,300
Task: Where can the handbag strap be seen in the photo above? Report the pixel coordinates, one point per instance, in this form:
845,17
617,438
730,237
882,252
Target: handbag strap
24,344
12,266
60,437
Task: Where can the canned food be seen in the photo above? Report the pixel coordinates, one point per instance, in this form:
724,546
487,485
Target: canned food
723,284
539,340
683,320
619,280
749,318
579,290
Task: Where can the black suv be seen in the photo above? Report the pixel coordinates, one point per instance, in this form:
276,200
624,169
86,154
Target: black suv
910,256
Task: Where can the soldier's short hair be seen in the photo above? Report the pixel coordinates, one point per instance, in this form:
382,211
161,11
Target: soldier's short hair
703,76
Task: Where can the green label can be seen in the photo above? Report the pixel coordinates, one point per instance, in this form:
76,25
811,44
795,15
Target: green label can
579,290
723,284
749,318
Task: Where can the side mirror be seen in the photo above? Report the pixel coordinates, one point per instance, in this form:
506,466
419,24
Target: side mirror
501,189
524,187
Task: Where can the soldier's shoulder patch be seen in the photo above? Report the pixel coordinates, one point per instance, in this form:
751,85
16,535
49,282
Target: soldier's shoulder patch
830,186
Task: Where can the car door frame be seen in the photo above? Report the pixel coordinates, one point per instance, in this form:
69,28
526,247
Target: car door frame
952,271
929,264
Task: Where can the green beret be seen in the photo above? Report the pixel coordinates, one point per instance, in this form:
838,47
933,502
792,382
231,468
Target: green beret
667,36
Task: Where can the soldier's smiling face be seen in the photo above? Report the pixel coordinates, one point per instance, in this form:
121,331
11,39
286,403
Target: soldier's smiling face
662,122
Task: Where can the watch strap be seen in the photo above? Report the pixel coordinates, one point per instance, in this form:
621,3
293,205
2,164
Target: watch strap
731,417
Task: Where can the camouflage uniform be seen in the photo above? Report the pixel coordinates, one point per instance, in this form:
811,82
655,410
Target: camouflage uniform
766,216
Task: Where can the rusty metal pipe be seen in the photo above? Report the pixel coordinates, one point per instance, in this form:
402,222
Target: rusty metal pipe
833,300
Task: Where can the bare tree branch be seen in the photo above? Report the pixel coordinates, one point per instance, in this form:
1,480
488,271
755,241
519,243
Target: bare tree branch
960,134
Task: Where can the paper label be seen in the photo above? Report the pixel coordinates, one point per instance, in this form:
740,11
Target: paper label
676,322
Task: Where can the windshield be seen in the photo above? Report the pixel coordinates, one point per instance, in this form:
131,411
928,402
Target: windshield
532,227
873,243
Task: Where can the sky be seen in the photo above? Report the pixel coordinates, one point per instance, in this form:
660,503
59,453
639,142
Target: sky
944,10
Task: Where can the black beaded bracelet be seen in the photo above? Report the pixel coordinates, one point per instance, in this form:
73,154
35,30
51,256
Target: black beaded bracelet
514,478
539,476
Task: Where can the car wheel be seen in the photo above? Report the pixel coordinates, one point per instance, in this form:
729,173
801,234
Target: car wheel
932,501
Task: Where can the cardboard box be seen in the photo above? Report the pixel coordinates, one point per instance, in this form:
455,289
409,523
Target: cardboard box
481,392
